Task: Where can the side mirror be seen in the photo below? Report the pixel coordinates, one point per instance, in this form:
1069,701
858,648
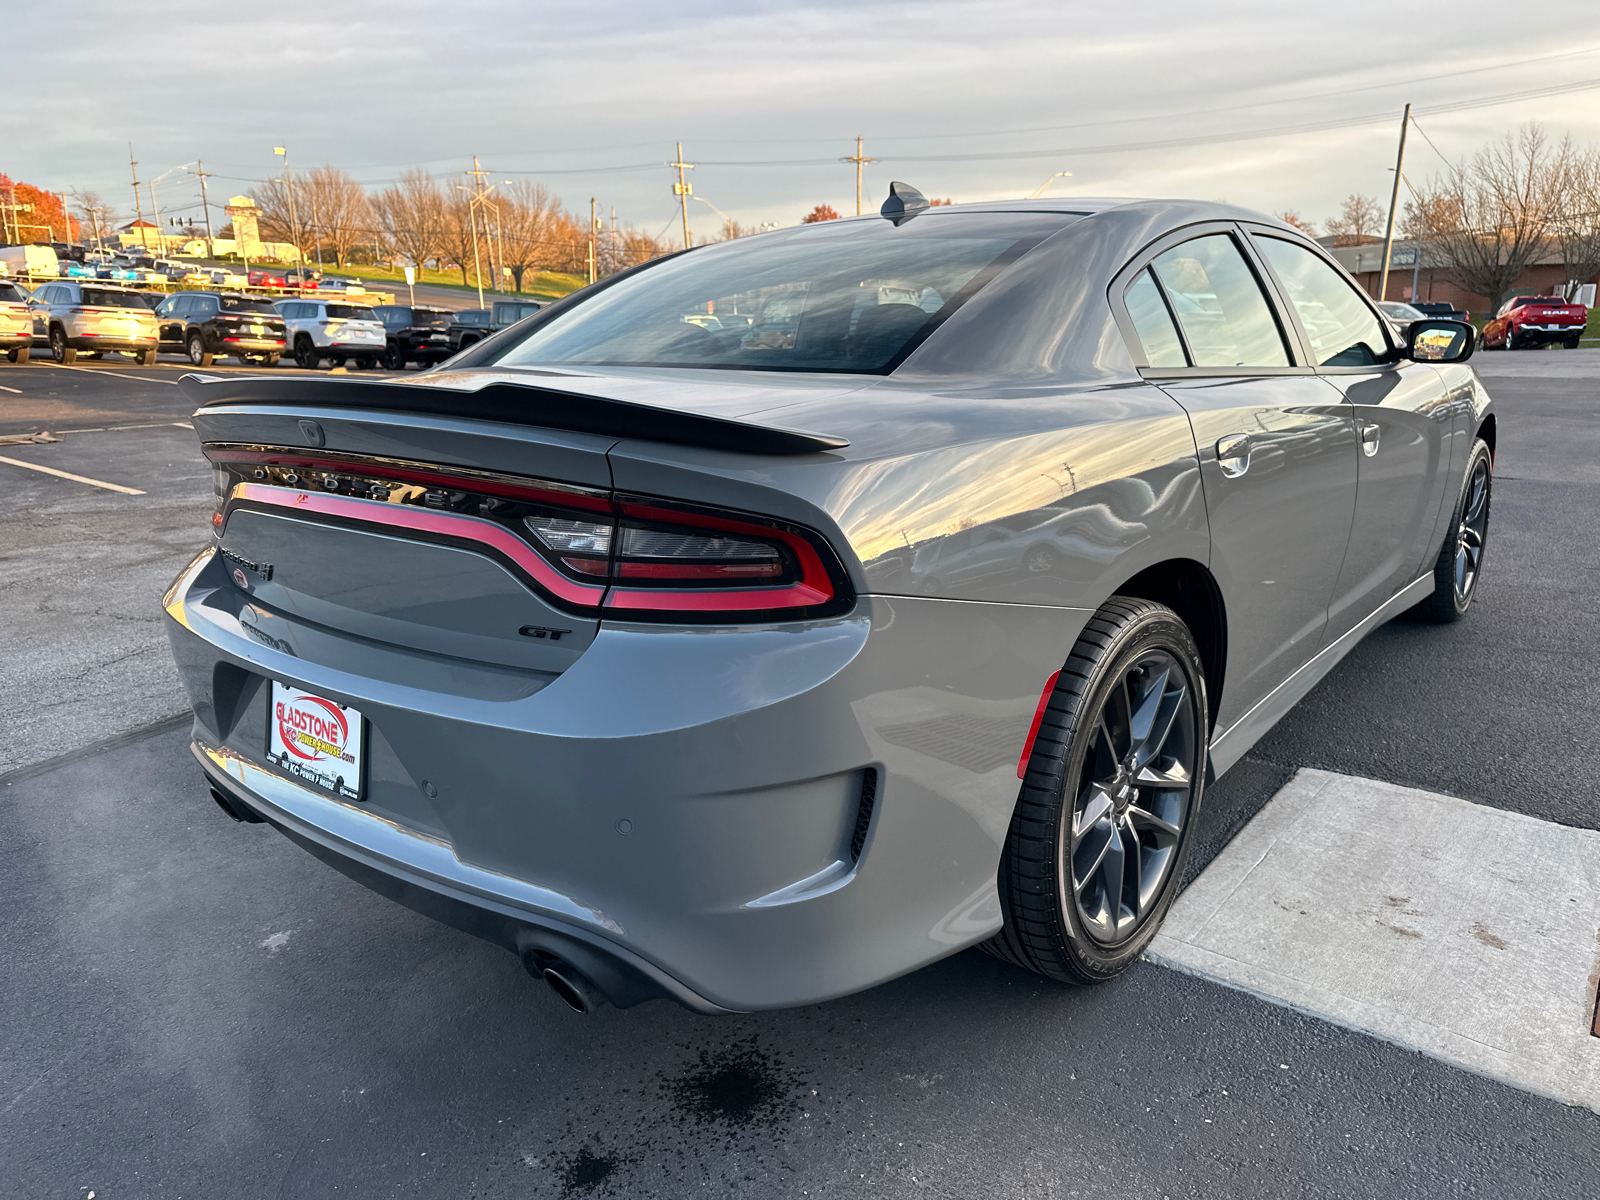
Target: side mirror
1436,341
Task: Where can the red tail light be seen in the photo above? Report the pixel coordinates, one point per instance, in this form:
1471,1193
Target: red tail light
628,556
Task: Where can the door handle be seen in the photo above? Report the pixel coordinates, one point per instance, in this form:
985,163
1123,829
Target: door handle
1233,455
1369,439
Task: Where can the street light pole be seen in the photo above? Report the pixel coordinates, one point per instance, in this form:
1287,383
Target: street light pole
294,211
1394,203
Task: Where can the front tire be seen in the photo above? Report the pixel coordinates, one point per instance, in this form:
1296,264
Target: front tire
1460,563
305,354
1110,795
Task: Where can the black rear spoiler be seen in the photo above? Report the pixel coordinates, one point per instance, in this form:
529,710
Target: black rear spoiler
514,404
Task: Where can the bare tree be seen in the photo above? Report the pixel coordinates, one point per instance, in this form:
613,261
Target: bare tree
462,227
1359,223
1577,225
412,216
528,219
95,214
1493,213
285,212
1291,217
339,213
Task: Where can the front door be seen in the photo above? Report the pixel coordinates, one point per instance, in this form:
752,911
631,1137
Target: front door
1403,419
1277,453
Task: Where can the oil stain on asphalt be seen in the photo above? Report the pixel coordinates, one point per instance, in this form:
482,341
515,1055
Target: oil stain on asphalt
728,1101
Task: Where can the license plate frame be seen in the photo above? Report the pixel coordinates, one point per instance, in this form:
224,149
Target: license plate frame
317,741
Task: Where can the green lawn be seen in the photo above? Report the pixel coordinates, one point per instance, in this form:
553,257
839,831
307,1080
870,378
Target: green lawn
546,285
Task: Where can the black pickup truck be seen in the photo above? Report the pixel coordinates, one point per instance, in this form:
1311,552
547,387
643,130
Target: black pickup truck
474,324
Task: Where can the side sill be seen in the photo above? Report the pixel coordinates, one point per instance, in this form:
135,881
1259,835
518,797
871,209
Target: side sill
1233,743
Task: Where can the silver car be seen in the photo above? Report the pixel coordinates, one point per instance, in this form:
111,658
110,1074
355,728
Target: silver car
72,318
907,607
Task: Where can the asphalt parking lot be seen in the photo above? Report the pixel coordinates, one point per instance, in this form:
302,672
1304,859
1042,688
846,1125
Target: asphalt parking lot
193,1007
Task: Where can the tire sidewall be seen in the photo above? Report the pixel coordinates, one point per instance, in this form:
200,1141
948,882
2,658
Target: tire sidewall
1480,450
1157,629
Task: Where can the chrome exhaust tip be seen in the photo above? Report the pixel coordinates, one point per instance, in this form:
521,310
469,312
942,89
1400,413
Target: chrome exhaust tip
575,991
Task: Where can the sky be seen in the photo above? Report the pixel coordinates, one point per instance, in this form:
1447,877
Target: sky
1269,105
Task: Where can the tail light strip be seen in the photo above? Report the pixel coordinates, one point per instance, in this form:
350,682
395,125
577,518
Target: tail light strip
622,586
424,520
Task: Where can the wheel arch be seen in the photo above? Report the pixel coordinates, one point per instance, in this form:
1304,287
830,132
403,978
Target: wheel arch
1191,591
1486,430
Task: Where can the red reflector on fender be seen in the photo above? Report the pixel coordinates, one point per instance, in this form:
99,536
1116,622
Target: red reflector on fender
1033,730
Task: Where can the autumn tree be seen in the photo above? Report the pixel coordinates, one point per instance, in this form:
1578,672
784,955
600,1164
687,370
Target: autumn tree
1290,217
1359,223
527,224
822,212
48,220
1495,211
940,203
411,215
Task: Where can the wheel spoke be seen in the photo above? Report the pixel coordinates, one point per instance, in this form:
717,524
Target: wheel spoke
1143,717
1094,808
1171,778
1132,868
1161,727
1142,818
1113,870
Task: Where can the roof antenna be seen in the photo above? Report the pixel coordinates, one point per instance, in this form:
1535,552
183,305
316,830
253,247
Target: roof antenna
904,202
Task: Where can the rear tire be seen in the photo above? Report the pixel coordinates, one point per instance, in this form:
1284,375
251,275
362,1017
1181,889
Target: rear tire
1460,563
198,354
364,363
1571,342
147,358
1097,845
19,354
1511,340
392,358
64,354
305,354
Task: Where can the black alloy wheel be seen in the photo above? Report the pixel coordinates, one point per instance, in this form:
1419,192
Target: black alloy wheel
305,354
1110,795
59,350
393,359
1460,563
198,354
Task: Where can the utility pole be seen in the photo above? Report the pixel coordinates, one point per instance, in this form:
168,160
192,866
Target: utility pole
1394,203
594,225
211,245
316,238
473,203
138,205
860,161
683,191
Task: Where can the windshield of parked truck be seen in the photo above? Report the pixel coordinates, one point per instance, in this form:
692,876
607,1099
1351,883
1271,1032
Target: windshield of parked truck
854,296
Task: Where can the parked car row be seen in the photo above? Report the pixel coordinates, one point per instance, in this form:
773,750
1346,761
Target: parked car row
72,316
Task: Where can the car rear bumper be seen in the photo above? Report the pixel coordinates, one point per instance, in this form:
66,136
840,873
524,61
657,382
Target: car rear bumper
251,344
113,341
684,801
373,348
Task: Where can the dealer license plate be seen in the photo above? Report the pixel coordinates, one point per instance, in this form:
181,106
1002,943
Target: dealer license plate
317,741
438,337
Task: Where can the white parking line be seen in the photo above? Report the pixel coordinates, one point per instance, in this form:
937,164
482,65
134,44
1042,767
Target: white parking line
99,483
117,374
13,391
1465,932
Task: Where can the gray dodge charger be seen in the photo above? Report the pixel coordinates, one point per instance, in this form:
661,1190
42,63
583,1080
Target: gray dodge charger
780,616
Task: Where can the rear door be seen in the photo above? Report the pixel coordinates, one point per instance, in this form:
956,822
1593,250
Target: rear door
1276,443
1403,418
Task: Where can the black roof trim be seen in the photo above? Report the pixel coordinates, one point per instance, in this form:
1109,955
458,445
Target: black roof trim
515,404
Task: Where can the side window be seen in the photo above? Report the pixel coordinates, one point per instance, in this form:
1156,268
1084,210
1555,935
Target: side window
1220,305
1344,331
1153,322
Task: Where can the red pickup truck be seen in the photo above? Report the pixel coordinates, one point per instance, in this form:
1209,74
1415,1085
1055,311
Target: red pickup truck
1535,321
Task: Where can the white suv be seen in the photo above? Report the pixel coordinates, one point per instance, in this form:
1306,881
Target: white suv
319,330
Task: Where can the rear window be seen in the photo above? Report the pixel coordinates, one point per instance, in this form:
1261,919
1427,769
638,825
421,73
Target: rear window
106,298
431,319
852,296
349,312
247,304
8,291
